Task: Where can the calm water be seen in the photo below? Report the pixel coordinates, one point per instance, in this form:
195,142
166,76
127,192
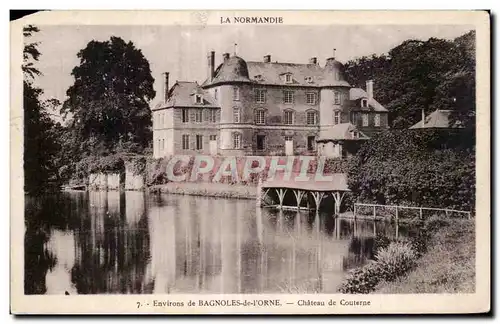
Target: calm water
131,242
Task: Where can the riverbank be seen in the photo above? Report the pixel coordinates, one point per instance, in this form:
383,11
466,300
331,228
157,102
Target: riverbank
448,266
220,190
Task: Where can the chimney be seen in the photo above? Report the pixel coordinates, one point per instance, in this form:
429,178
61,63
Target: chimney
423,118
369,89
331,60
211,64
165,86
313,60
225,57
267,58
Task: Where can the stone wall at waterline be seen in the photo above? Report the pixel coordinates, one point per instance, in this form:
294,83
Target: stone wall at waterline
133,181
113,181
234,170
98,181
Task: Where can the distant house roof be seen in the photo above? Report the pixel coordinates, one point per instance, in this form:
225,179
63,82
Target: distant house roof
235,69
343,131
437,119
356,94
182,95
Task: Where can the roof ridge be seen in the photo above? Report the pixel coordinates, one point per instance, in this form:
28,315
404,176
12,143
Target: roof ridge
287,63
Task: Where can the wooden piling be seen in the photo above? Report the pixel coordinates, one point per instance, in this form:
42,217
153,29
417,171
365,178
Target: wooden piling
258,201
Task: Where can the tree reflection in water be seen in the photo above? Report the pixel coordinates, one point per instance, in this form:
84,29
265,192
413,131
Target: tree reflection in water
132,242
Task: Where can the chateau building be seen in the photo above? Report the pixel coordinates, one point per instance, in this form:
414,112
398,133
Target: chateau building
266,108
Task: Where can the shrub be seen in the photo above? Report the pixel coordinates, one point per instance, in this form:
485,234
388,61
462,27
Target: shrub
391,262
381,242
435,222
361,280
395,260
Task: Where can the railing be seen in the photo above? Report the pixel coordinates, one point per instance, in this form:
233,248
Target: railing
398,208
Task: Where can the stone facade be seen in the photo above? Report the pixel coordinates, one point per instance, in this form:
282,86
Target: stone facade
261,108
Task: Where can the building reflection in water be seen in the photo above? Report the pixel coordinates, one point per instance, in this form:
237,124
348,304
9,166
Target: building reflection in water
130,243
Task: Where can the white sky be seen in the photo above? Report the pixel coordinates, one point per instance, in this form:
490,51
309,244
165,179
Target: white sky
182,50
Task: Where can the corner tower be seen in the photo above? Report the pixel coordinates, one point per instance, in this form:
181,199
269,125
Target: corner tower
334,95
231,81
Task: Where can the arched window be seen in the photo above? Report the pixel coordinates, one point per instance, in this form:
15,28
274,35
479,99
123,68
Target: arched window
236,141
288,117
311,117
260,117
236,115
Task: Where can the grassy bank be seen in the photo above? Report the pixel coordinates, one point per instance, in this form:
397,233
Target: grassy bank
222,190
448,266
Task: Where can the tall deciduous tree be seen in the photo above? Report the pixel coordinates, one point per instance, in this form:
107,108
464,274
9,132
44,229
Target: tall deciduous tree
109,100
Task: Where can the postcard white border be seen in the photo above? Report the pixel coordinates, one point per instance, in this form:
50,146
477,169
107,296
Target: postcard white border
126,304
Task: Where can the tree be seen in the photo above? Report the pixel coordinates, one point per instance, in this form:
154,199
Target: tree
30,54
40,142
432,167
457,91
421,75
109,100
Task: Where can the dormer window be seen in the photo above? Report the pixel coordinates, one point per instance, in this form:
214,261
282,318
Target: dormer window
198,99
288,78
355,134
364,103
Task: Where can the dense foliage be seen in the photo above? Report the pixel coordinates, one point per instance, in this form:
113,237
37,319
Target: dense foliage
41,133
422,75
108,104
434,168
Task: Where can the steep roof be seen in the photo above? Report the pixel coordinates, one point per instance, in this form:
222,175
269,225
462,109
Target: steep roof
343,131
436,119
235,69
274,73
356,94
182,95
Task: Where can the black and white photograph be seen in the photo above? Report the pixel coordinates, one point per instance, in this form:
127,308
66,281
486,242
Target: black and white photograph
247,158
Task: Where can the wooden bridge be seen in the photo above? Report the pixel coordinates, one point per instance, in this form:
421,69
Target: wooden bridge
302,190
